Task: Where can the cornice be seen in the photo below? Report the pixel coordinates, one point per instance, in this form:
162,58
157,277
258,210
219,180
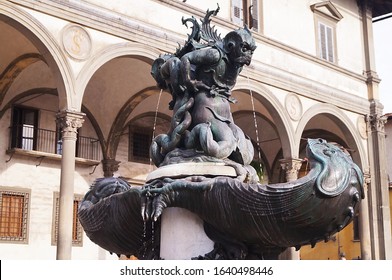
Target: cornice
302,86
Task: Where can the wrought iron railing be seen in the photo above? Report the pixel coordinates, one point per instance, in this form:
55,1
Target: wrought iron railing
28,137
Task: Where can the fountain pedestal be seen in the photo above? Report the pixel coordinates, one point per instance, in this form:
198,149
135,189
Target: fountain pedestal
182,235
182,232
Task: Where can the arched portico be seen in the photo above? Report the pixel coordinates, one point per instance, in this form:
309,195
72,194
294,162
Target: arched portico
346,126
340,128
276,110
48,47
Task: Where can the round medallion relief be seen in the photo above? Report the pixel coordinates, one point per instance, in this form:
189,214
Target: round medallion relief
76,42
361,125
293,106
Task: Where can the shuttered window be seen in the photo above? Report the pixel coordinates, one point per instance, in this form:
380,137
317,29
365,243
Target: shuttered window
326,43
245,12
254,15
237,12
326,17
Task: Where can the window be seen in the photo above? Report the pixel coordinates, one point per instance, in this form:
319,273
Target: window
77,230
139,145
246,12
326,42
326,17
356,228
24,128
14,207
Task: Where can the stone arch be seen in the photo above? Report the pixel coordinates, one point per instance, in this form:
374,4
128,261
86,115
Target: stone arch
96,127
277,111
342,121
159,115
121,118
140,51
8,76
262,155
48,47
34,91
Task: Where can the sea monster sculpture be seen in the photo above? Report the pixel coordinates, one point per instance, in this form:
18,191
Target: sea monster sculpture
244,218
200,77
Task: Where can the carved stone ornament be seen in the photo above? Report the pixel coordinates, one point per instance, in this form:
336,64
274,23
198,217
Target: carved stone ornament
361,125
69,123
376,122
293,106
110,166
291,167
76,42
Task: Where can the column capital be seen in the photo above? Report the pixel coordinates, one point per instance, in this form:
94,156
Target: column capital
69,122
376,122
291,166
110,166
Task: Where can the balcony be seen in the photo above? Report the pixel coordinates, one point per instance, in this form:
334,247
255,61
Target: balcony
42,143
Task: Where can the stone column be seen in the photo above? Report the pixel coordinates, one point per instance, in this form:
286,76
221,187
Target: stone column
69,123
109,166
379,213
372,79
364,227
291,167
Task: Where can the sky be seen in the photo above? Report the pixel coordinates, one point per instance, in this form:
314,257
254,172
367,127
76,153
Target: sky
382,31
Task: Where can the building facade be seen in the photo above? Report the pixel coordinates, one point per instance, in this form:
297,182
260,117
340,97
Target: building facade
77,102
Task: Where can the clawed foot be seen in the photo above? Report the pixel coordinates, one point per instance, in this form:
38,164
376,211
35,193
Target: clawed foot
163,193
155,198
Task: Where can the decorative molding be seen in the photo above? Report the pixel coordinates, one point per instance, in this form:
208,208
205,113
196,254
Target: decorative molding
303,86
326,8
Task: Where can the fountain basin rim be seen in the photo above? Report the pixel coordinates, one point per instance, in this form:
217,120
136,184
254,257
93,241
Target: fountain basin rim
180,170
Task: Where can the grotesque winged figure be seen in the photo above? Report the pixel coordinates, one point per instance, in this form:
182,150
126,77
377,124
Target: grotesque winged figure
200,77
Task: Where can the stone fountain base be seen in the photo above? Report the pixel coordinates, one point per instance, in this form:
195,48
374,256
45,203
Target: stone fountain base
182,235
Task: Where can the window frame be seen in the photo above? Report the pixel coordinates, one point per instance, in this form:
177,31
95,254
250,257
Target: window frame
330,43
25,209
17,126
327,15
131,156
77,232
242,8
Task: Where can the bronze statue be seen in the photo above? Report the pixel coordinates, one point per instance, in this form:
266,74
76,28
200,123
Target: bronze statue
200,77
244,218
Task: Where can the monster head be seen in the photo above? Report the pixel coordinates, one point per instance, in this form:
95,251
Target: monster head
239,45
338,171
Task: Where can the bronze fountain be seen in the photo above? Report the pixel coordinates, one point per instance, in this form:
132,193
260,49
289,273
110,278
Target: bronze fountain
244,219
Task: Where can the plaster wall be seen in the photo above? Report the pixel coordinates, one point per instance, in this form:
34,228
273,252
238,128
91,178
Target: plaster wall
298,29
